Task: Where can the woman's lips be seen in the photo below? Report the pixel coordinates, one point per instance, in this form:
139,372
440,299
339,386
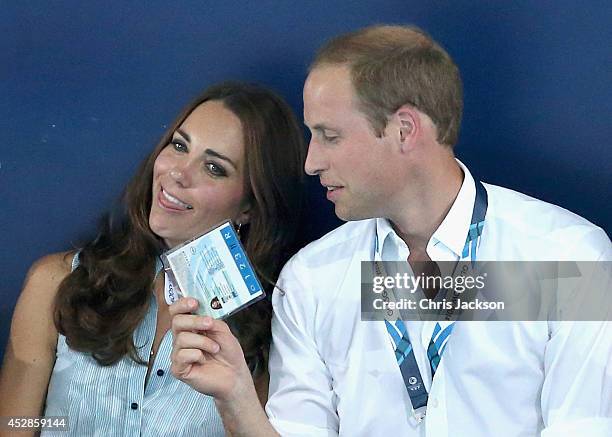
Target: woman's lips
168,201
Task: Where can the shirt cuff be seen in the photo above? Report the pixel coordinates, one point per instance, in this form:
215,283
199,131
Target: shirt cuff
592,426
294,429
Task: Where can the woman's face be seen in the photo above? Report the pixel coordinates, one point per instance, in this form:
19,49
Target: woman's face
198,179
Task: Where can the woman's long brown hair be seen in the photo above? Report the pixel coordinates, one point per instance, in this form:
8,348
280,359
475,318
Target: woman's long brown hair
100,304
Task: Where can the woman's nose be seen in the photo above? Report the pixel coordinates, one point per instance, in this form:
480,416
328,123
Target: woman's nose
176,174
180,176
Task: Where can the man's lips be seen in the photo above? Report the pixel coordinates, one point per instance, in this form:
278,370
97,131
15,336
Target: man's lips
333,191
330,186
168,201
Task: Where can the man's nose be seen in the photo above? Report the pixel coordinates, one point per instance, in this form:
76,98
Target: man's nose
315,159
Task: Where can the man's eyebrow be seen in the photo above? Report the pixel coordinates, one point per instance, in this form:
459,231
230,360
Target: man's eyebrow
322,127
211,152
184,134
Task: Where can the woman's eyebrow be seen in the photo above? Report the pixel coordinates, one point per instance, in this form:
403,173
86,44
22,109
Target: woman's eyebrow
184,134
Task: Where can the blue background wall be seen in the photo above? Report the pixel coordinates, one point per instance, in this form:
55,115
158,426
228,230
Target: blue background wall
87,88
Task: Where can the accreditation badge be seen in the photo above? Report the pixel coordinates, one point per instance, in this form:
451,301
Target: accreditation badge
214,269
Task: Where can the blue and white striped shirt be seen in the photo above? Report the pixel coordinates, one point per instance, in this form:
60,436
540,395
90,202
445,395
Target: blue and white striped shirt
116,401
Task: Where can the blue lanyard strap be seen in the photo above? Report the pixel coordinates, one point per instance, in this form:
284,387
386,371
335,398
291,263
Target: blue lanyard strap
407,363
404,352
477,223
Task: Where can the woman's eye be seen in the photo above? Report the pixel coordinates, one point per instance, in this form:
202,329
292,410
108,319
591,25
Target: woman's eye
214,169
179,146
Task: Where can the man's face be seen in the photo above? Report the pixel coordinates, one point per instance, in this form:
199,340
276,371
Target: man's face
356,166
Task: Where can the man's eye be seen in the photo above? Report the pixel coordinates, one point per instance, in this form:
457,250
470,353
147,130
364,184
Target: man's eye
179,146
215,170
328,136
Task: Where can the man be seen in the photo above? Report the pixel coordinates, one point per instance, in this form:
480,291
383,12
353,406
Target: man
384,105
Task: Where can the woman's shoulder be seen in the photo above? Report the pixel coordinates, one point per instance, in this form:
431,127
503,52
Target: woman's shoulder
46,274
32,328
54,263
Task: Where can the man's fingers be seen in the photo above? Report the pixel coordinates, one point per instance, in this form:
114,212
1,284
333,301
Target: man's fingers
192,340
184,305
184,359
189,322
219,326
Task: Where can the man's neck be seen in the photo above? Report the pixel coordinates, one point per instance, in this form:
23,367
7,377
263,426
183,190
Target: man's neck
417,221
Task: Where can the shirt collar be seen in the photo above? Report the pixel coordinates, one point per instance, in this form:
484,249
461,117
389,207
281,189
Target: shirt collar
453,230
383,230
159,265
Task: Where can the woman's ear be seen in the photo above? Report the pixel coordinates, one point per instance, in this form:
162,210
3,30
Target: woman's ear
244,216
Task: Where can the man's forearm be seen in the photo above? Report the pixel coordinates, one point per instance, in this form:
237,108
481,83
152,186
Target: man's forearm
244,417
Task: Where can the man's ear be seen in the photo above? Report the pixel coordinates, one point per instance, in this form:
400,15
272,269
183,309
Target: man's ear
407,126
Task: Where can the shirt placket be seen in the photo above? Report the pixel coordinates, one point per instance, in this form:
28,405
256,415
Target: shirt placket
143,339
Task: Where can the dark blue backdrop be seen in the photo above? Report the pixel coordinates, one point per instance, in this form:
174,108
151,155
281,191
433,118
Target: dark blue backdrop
87,87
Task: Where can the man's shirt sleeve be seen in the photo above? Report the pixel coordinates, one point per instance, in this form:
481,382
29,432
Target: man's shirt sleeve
577,390
578,378
301,401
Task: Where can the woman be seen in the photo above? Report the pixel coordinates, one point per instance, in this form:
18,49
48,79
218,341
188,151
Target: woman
235,153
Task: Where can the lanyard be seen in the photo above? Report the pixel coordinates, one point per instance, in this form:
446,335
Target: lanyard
396,328
171,292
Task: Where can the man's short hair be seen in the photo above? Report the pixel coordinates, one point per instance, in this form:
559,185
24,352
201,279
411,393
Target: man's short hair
396,65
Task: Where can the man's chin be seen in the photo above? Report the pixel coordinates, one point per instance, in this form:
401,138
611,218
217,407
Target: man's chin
350,214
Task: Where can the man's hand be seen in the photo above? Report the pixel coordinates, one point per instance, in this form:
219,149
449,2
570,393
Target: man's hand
205,354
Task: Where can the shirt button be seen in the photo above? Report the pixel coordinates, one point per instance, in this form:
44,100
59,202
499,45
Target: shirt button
434,403
134,406
160,372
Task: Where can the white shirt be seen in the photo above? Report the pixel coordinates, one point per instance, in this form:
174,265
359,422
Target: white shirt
333,374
